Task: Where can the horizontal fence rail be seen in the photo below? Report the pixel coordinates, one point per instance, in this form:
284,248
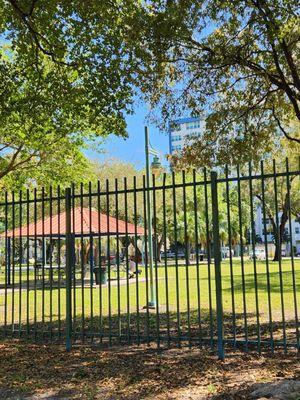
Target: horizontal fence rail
192,258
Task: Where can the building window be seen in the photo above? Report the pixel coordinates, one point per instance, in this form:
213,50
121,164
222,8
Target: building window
193,125
297,230
195,133
175,138
176,148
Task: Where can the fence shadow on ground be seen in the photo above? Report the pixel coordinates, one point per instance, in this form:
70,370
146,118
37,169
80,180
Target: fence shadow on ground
164,329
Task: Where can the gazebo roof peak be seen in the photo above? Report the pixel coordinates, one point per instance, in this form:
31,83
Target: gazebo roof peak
84,221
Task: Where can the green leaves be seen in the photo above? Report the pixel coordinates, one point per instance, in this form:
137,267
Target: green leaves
234,64
66,76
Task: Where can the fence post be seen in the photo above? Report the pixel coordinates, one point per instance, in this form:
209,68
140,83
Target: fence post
69,261
217,262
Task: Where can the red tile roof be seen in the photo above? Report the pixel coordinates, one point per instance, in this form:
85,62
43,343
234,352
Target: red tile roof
83,221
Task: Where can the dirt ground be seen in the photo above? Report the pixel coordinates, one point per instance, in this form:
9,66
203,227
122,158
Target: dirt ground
31,371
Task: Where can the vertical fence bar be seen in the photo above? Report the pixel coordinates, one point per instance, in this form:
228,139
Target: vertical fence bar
154,253
118,259
108,264
43,261
82,265
20,262
13,264
127,262
74,264
27,264
35,262
136,260
242,257
187,255
230,255
165,257
146,258
278,241
7,265
176,258
100,262
51,272
265,234
253,240
217,262
59,261
288,187
197,256
208,247
69,258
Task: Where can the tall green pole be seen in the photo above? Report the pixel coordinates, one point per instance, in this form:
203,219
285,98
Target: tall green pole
152,302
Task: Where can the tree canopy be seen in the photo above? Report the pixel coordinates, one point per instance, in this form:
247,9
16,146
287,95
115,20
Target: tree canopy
85,48
66,77
71,70
235,63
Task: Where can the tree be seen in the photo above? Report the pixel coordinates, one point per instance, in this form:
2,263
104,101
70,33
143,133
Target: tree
111,174
186,225
66,76
41,135
190,222
287,198
113,169
236,63
83,43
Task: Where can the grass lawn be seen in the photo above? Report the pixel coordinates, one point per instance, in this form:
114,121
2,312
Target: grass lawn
87,307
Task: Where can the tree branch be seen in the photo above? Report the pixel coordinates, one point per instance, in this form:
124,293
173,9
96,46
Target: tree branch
282,128
11,164
36,36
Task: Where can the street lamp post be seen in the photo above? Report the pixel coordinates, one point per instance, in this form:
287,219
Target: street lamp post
149,150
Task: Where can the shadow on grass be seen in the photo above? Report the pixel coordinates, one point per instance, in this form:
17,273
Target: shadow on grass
164,329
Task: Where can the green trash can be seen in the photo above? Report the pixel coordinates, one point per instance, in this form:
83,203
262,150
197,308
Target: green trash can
102,275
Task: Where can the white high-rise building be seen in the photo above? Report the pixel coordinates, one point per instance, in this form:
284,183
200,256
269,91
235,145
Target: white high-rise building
181,129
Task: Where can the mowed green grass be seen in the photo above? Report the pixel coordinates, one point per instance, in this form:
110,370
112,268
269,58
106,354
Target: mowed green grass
177,289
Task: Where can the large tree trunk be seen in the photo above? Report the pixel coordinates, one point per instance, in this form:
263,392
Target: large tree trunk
279,233
277,254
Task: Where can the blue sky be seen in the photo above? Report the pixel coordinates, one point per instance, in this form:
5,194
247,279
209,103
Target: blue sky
132,148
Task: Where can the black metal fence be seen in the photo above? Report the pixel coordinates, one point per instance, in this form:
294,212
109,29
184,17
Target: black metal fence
224,270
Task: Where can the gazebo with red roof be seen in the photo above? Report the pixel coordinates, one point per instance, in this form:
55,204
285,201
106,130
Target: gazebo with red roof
84,222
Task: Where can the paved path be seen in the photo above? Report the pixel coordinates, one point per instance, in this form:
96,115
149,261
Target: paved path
87,285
